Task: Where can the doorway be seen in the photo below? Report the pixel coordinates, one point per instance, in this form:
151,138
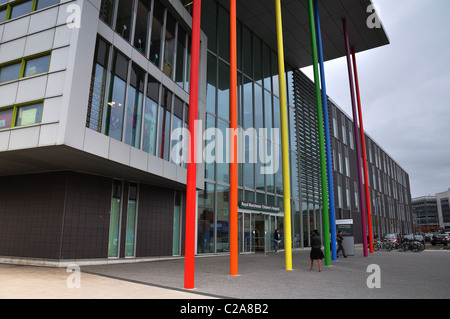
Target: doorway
256,231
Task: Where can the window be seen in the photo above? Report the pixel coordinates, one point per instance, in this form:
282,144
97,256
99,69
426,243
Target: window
21,115
107,11
157,27
131,220
41,4
32,66
29,114
142,22
6,116
164,123
98,83
151,116
37,65
181,48
169,47
10,72
20,9
2,15
116,101
124,15
134,107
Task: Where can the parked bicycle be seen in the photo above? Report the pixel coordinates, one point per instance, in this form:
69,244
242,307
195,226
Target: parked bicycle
384,245
414,245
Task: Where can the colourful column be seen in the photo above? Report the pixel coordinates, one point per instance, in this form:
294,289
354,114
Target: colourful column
323,170
284,139
234,249
363,147
356,136
191,187
327,133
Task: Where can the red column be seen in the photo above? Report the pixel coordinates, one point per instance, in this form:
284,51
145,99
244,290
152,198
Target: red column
191,187
363,151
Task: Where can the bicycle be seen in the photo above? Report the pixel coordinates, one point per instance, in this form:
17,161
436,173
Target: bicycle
415,246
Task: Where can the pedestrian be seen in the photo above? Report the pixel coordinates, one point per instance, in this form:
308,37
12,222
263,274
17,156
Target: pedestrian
277,239
316,251
340,240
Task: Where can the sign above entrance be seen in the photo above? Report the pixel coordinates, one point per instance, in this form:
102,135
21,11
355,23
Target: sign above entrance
260,207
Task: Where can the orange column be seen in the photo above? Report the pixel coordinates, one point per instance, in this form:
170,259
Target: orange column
234,249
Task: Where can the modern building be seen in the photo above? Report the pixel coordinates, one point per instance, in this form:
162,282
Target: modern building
425,214
443,206
91,91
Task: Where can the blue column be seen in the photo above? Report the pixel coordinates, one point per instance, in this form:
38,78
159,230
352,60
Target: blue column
327,133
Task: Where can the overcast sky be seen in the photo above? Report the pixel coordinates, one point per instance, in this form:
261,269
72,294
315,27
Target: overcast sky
405,90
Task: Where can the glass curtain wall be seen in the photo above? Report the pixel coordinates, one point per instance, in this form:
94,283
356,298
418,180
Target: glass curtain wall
258,108
130,111
153,31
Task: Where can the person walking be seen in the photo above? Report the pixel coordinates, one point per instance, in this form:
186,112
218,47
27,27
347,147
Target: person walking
316,251
277,239
340,240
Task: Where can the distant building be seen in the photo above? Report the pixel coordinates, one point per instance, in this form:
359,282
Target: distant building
425,214
443,207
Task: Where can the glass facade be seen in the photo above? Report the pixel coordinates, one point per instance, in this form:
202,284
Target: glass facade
126,103
130,105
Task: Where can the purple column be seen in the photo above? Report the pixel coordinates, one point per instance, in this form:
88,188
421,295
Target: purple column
357,143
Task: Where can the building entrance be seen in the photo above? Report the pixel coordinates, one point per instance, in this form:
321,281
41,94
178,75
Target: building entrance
256,231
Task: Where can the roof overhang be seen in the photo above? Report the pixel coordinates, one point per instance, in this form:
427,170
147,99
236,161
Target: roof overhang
259,16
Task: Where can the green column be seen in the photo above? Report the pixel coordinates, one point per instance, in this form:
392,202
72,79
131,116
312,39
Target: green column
323,163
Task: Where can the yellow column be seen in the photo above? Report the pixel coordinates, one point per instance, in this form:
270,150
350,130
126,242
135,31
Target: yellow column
284,140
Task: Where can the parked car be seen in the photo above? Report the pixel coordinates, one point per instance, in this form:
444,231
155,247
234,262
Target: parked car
439,239
393,238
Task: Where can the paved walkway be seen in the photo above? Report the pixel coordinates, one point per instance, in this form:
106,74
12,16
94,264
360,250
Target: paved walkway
422,275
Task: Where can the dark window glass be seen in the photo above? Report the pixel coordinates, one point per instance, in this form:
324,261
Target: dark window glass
224,34
124,14
41,4
257,60
181,48
164,123
169,47
107,11
142,26
209,21
37,65
10,72
21,9
157,25
153,89
211,84
247,51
